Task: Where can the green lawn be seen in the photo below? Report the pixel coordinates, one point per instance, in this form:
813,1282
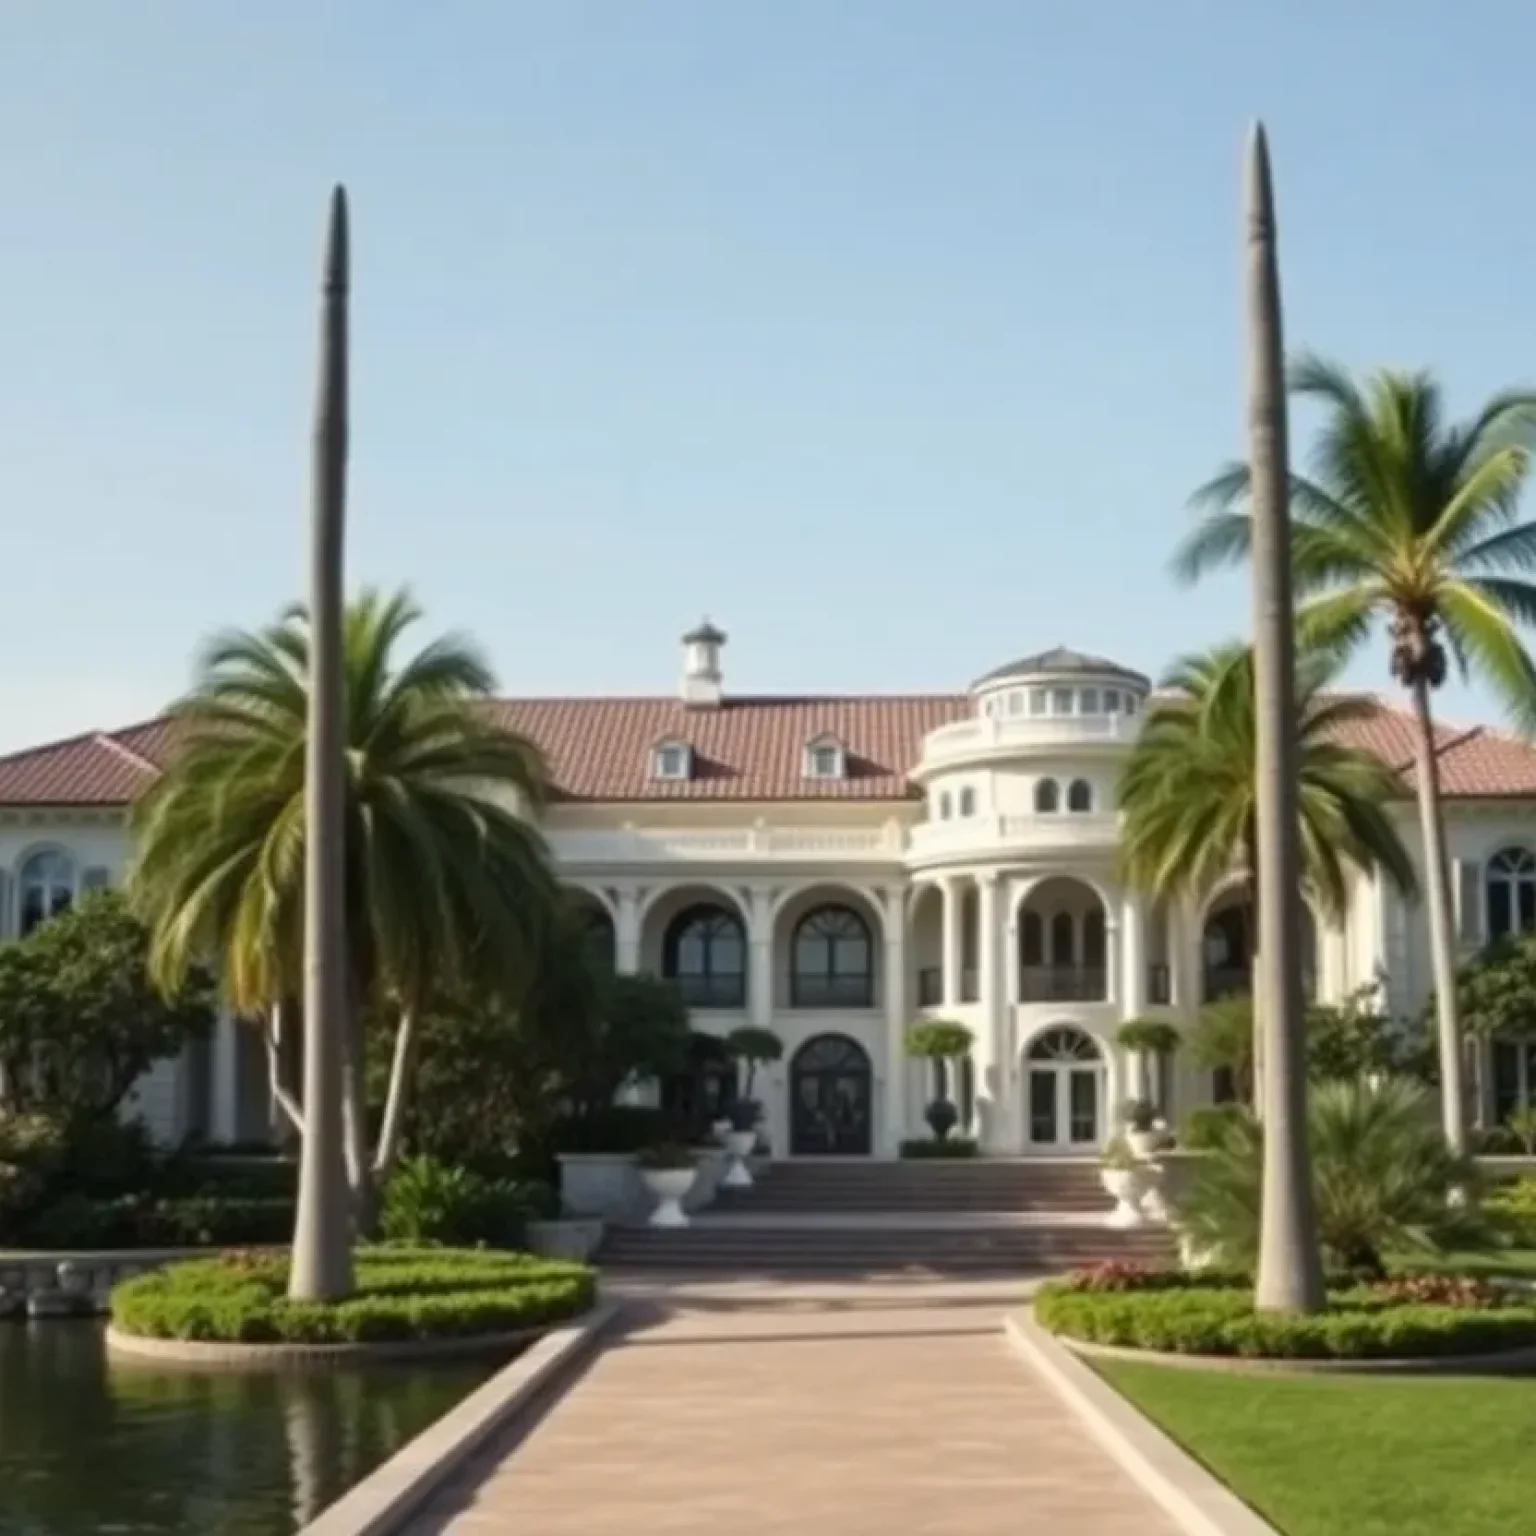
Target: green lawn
1355,1456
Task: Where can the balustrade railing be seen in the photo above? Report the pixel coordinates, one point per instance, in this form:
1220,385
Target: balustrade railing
1063,984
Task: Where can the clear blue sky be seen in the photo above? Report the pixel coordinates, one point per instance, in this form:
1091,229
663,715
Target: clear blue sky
890,333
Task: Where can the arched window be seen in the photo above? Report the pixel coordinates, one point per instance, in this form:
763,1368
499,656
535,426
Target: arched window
944,806
1080,796
967,801
46,887
1063,1045
832,963
1047,796
1511,892
705,953
1063,939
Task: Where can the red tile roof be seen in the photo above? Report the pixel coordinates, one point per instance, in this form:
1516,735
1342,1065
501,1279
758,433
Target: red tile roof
747,749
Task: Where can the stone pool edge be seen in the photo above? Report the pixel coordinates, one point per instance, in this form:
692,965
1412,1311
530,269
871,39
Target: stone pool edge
392,1492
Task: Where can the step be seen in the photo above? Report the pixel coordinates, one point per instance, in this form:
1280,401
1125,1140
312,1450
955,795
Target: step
1033,1251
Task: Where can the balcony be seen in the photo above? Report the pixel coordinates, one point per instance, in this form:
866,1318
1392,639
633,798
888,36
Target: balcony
731,845
1047,832
1237,981
930,987
831,992
1063,984
711,991
984,737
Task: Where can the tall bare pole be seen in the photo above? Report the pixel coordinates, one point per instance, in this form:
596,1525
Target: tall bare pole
1290,1277
322,1251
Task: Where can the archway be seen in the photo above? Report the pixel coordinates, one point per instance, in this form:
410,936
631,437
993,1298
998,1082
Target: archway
1063,952
1064,1091
1227,942
831,1098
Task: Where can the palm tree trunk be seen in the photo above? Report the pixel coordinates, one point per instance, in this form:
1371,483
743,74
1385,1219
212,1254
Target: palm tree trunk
1442,941
392,1128
322,1251
1290,1277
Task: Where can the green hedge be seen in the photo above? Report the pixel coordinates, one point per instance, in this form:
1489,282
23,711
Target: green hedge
141,1221
402,1294
927,1149
1188,1316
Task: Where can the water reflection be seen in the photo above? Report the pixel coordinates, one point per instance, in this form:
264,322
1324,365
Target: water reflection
99,1446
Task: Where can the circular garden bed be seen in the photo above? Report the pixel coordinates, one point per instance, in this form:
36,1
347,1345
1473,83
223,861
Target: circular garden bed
1408,1319
408,1300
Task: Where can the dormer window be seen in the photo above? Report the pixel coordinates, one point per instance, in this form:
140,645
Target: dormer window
672,760
824,758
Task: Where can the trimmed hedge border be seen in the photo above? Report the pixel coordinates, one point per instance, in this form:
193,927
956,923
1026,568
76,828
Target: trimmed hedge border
1185,1317
404,1296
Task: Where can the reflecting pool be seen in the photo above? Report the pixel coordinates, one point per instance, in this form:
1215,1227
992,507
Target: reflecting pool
110,1448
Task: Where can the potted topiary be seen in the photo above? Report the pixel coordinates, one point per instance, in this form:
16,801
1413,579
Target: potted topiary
1124,1180
739,1142
668,1171
756,1047
939,1041
1145,1133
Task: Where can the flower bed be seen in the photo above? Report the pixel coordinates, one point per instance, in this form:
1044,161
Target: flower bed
1418,1317
402,1294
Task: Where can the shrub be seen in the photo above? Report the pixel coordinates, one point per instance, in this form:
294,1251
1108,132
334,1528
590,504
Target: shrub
1522,1126
615,1128
1496,1141
1211,1125
238,1177
1193,1315
1511,1208
952,1147
109,1157
1382,1180
144,1221
402,1293
31,1149
426,1201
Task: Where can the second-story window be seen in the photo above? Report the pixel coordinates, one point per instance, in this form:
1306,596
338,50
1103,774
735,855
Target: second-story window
46,887
705,953
832,961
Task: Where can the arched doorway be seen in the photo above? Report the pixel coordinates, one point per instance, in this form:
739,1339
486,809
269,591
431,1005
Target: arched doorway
1064,1091
830,1098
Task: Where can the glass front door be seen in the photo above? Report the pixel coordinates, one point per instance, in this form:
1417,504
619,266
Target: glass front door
1064,1107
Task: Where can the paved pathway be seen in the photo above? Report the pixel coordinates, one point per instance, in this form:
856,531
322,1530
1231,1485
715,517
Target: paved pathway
761,1410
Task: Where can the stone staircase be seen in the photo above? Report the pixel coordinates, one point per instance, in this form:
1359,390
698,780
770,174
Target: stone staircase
986,1185
896,1219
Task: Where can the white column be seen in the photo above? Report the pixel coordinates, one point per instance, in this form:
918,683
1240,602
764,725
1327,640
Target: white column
987,1052
1133,994
1133,957
225,1060
626,933
895,926
1113,986
760,960
953,939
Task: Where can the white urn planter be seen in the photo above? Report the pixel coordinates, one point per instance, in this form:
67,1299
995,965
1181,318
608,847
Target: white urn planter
669,1186
739,1145
1144,1144
1127,1188
720,1130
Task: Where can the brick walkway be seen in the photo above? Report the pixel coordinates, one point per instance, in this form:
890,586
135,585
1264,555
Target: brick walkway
758,1410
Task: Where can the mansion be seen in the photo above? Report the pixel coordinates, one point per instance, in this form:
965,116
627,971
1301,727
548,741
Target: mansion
833,868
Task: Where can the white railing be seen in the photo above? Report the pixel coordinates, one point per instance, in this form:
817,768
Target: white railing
988,733
651,845
1006,834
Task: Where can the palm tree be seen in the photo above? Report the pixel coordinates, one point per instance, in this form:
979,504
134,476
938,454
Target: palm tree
1413,519
1189,790
444,882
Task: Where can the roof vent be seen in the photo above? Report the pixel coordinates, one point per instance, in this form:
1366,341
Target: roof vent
702,682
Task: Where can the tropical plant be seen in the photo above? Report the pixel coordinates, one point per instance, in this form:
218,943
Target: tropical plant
1189,790
427,1201
445,884
1522,1124
1496,989
81,1021
1383,1180
1410,518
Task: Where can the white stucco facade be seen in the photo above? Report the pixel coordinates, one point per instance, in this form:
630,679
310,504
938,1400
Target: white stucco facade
987,893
